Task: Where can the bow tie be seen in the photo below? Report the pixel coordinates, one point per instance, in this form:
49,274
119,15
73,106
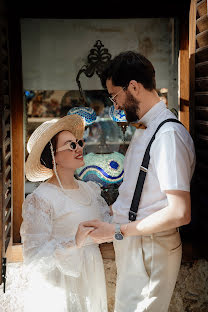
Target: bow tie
138,125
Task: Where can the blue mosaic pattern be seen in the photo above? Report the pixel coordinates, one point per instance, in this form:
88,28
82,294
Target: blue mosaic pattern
29,94
103,169
87,113
117,115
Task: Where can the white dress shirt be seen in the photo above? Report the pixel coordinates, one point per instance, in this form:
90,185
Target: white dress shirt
172,163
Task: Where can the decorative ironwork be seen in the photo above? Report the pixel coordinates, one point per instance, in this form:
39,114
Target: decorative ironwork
97,60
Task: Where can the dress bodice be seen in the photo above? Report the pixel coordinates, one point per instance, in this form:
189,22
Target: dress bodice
73,206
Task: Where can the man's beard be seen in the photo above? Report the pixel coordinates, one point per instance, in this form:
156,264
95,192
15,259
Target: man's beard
131,107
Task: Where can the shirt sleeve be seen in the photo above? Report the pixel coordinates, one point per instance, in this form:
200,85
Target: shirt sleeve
172,162
42,251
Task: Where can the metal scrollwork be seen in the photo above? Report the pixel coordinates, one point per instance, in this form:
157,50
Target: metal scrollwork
97,59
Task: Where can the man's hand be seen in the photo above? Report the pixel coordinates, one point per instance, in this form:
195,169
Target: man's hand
103,232
81,234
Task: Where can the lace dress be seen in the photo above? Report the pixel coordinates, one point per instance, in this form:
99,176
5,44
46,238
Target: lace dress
63,277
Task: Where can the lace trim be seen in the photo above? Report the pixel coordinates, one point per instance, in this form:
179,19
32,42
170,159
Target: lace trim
41,251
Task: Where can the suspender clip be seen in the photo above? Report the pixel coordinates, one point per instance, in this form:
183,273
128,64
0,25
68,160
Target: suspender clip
132,215
143,169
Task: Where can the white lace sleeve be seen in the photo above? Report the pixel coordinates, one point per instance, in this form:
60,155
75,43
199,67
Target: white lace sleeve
104,208
41,251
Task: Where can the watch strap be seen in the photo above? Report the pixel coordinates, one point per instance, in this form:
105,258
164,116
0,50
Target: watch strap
117,228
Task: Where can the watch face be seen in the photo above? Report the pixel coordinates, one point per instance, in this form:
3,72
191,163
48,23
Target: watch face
118,236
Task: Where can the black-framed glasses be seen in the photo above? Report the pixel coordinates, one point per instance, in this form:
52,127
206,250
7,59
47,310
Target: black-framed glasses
72,145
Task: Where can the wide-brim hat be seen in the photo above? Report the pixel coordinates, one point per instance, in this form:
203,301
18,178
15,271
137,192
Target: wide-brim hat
34,170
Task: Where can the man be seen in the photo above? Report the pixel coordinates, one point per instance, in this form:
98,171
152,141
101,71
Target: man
148,250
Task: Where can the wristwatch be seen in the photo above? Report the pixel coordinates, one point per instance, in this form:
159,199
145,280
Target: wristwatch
118,235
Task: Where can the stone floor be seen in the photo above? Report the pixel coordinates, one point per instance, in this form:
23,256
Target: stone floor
191,291
190,295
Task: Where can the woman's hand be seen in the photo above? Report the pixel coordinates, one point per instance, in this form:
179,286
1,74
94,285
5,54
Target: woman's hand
82,233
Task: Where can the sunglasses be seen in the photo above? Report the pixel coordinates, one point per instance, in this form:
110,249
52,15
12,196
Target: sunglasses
71,145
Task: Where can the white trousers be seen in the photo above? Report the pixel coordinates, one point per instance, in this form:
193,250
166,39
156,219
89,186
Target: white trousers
147,269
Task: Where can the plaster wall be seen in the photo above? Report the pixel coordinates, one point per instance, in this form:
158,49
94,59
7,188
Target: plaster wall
53,50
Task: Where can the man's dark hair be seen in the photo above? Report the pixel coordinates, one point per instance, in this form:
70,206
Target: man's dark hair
129,66
46,157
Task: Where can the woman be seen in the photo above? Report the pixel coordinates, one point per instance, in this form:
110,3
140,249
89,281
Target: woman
65,265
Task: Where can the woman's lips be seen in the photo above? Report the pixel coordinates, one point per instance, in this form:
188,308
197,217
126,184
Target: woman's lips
80,156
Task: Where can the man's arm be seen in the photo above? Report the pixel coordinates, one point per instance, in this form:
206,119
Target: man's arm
177,213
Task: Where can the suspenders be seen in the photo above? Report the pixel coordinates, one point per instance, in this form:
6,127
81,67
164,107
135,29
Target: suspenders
142,174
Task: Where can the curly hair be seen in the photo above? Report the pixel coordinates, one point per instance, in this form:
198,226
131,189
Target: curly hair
129,66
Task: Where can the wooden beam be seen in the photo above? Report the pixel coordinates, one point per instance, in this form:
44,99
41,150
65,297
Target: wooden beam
14,253
17,113
184,71
146,9
192,51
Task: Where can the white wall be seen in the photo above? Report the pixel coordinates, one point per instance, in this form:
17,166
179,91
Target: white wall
54,50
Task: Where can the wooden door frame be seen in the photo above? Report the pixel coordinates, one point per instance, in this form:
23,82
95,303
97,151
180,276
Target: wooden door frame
17,114
183,72
17,105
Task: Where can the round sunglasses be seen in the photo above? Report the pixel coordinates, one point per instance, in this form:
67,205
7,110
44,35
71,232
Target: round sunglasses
71,145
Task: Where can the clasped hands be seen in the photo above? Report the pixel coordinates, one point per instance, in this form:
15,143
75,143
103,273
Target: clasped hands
99,231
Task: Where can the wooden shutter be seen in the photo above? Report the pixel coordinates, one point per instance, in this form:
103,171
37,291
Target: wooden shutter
199,121
5,149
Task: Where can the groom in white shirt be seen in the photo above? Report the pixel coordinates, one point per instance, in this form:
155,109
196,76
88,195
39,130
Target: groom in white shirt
148,249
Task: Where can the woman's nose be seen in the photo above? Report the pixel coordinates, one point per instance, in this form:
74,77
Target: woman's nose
79,148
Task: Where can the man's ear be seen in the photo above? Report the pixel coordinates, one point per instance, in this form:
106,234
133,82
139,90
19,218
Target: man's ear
134,87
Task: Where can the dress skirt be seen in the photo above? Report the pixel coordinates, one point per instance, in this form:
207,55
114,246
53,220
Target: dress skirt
56,292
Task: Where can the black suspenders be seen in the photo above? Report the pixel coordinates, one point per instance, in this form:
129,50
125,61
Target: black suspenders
142,174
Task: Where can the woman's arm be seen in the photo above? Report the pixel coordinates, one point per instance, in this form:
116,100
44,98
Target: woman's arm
41,250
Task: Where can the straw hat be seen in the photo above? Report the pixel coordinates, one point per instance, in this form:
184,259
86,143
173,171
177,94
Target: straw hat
34,170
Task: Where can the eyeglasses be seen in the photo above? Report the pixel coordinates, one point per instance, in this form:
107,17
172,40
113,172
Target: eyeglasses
72,145
113,97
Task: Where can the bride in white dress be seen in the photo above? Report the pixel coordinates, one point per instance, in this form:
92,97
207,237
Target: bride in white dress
65,266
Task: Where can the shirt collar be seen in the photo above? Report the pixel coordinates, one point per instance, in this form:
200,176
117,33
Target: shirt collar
153,113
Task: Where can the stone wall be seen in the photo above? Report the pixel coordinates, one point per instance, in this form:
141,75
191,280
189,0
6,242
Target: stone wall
191,291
